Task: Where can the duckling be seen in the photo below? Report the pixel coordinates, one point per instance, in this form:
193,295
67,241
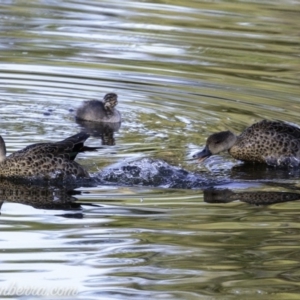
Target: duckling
100,111
45,160
274,143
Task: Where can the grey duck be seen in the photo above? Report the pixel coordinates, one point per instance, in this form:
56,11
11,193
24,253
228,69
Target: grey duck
274,143
45,160
100,111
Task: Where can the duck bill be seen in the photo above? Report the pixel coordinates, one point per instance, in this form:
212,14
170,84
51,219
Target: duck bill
202,155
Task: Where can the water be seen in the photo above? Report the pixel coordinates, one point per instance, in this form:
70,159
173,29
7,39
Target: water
182,70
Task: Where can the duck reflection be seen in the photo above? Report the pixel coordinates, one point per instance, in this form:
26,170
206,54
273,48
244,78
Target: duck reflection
257,197
40,197
103,130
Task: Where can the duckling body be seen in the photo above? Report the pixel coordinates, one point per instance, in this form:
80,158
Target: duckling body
275,143
45,160
100,111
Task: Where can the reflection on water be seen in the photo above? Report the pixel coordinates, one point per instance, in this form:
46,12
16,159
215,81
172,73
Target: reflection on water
184,69
258,197
104,131
37,196
263,172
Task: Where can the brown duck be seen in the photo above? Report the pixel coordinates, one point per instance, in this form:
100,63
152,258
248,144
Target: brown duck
275,143
45,160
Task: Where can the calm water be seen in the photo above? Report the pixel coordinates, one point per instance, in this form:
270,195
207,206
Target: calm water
182,70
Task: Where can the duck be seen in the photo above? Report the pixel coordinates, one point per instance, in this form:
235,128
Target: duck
275,143
100,110
53,160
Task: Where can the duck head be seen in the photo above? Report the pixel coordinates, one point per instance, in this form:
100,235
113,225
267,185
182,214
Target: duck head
216,143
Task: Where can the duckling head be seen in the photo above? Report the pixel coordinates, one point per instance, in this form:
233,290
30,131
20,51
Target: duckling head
110,100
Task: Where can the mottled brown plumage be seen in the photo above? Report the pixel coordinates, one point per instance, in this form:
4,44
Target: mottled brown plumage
100,111
46,160
275,143
255,197
38,196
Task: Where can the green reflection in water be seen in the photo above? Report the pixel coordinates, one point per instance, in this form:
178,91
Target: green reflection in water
182,71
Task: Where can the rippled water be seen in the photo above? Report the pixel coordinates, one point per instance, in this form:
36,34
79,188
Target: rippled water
182,70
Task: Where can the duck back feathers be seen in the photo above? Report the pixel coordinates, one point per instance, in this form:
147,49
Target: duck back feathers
47,160
273,142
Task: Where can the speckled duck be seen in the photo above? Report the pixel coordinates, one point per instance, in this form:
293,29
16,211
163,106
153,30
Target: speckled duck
45,160
275,143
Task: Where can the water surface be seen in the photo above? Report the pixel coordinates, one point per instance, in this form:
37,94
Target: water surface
182,70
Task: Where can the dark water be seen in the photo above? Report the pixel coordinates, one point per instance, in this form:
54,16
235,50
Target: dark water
182,70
